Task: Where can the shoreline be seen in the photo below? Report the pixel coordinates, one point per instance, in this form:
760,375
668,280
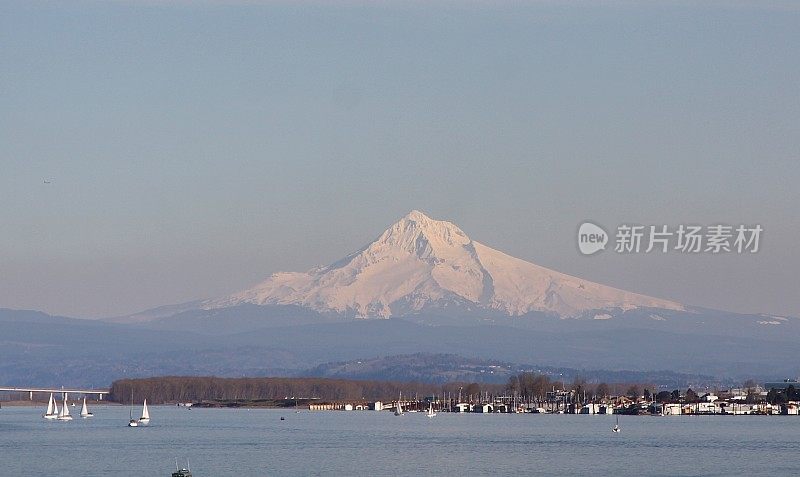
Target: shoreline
305,409
27,403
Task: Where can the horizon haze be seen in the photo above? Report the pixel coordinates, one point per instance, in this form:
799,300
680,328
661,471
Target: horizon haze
164,152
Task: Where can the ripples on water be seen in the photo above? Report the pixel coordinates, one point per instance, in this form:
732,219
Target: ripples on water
237,442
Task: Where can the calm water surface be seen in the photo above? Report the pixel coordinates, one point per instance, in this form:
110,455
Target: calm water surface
237,442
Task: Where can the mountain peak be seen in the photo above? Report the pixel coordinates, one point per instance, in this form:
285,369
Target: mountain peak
416,215
421,235
420,263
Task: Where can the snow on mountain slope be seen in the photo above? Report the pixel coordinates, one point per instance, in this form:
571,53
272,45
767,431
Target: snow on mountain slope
419,263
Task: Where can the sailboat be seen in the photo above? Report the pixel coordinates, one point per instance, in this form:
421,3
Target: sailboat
430,412
185,472
64,414
616,427
52,409
84,410
145,419
132,422
399,409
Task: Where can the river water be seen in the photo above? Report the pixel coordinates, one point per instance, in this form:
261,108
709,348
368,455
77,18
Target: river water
238,442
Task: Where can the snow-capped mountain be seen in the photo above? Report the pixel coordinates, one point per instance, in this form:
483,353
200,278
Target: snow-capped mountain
420,263
416,268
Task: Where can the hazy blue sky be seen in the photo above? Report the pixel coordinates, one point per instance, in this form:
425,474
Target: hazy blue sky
196,148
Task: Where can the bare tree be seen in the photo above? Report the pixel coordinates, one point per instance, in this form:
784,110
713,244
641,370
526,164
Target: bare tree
601,391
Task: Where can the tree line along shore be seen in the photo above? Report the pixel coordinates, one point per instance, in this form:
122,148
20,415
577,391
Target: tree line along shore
524,392
524,387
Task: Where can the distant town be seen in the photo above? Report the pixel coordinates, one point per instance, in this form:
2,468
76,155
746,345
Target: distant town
777,398
523,393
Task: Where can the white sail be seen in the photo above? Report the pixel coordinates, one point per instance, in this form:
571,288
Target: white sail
64,414
145,413
50,406
85,410
430,410
55,408
65,407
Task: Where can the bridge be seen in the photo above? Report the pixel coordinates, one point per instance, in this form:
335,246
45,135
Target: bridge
99,392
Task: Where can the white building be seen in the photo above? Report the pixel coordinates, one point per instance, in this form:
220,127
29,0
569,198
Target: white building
594,409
